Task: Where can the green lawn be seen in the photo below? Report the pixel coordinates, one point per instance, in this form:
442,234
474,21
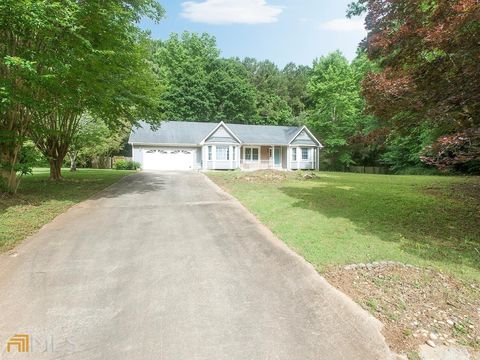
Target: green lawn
40,200
341,218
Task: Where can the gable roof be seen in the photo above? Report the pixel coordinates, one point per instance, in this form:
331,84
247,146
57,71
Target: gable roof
228,134
193,133
304,136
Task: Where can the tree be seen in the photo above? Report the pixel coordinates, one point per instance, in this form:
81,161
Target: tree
94,139
428,54
458,152
349,134
62,58
199,85
106,75
333,90
403,150
369,142
184,63
30,31
272,92
234,97
297,78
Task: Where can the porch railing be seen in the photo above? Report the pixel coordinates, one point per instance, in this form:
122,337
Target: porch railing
262,164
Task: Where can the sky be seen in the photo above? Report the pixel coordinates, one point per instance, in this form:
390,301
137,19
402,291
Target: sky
282,31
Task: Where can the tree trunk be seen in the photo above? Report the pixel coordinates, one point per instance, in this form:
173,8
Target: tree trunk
10,180
9,158
73,161
56,168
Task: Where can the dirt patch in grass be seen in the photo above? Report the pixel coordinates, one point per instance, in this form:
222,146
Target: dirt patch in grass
461,192
467,192
415,305
268,176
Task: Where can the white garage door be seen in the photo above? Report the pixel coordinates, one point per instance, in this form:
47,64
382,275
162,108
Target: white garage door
168,159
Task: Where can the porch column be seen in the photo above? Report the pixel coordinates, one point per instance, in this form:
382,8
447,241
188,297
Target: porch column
273,157
288,157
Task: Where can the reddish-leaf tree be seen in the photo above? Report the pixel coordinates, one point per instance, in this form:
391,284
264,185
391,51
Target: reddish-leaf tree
460,151
429,53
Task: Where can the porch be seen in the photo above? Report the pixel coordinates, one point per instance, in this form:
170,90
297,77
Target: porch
256,157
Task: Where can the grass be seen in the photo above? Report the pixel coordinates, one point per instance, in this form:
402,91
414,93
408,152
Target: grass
40,200
343,218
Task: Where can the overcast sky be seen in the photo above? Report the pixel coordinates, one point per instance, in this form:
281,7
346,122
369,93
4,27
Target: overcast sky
280,30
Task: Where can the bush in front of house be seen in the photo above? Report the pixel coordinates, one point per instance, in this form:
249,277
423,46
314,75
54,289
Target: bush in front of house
126,165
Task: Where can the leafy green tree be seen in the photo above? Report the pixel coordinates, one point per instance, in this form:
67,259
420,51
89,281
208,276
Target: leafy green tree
334,91
234,96
122,92
107,76
297,78
95,139
272,92
183,66
199,85
350,135
30,32
403,149
62,58
272,109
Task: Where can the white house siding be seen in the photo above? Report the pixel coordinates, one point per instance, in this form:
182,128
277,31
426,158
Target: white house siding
303,139
137,154
214,163
221,135
300,164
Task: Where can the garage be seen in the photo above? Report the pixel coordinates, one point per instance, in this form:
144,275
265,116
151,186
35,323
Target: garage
168,159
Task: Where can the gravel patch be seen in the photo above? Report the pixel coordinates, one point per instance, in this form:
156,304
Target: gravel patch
417,306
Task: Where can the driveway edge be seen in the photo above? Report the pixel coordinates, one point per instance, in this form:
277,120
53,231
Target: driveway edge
313,274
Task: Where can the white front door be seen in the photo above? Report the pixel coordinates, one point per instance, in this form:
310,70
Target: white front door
168,159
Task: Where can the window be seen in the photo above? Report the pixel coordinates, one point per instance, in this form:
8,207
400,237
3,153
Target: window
210,152
255,154
222,152
251,154
305,153
294,154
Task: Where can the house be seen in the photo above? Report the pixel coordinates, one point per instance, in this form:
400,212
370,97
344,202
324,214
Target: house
182,145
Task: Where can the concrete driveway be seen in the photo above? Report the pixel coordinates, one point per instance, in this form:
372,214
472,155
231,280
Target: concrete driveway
167,266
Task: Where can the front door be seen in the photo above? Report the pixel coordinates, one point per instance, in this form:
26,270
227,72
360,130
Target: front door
277,156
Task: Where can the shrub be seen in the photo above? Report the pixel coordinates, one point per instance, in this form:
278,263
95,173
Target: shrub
418,170
458,152
126,165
